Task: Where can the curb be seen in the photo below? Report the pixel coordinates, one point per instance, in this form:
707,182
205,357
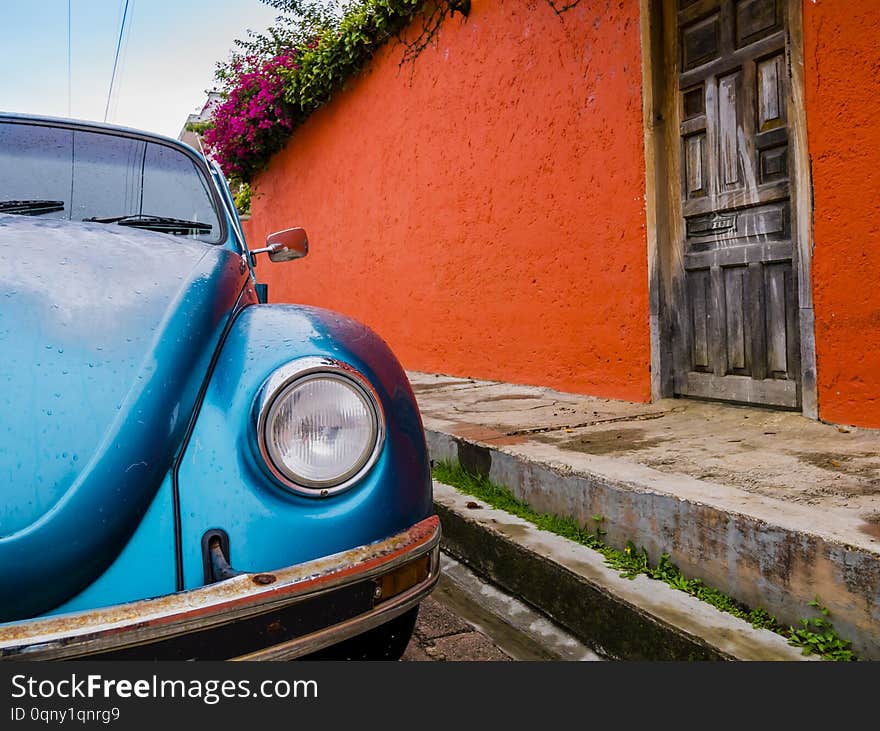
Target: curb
516,628
763,552
619,618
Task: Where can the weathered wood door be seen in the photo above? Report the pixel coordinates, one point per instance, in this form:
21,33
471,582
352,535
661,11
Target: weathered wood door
736,320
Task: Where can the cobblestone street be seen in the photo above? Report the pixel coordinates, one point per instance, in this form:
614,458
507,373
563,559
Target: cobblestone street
443,635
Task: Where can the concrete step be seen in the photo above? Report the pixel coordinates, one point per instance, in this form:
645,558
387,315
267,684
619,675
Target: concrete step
619,618
763,530
514,626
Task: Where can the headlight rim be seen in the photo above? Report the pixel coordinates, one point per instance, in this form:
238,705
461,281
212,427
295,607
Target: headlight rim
285,377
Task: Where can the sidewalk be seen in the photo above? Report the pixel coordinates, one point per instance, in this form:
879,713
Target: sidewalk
767,506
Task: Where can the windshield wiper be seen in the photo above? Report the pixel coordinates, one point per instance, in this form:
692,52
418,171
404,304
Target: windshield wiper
155,223
31,208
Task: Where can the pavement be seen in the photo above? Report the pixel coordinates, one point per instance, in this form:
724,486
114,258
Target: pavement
441,635
771,508
467,619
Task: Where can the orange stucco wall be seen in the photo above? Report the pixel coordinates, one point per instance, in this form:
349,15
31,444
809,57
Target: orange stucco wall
483,211
842,58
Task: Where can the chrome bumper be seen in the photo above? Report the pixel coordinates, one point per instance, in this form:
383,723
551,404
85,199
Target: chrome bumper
163,620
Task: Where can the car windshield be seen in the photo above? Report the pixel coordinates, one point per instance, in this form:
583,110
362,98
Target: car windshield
79,175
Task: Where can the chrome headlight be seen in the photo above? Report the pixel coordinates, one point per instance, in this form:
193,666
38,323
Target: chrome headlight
320,425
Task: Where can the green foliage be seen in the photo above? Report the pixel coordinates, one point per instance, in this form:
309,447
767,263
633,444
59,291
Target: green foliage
197,127
343,48
294,26
815,636
242,199
330,40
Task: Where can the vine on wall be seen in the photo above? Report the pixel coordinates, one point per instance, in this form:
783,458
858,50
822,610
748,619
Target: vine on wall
274,81
560,8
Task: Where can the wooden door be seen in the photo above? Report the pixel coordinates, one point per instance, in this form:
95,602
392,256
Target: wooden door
735,328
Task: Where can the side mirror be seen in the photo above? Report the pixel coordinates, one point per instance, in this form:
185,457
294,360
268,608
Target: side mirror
292,243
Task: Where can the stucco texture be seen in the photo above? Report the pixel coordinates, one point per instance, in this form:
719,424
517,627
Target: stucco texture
483,209
842,59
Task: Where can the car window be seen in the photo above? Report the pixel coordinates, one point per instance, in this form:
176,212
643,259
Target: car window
106,176
98,175
36,164
175,187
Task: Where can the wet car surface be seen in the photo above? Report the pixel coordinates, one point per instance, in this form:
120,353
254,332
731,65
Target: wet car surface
181,455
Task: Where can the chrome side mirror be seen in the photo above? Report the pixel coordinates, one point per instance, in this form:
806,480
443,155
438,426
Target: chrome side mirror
292,243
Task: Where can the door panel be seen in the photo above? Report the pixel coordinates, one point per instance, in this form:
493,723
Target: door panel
736,325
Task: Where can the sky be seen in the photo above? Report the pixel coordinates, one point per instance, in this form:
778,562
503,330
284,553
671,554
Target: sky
166,63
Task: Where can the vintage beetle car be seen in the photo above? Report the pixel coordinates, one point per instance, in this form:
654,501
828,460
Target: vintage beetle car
188,472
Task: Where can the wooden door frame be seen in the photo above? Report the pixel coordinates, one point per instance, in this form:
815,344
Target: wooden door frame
663,193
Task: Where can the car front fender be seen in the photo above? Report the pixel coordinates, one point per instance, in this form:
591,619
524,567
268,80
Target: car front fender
222,483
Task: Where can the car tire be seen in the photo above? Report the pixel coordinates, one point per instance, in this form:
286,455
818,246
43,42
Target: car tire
385,642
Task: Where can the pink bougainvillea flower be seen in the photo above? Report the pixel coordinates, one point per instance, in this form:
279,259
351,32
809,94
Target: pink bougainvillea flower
254,118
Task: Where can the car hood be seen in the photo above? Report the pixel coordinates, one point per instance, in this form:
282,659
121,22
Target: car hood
106,333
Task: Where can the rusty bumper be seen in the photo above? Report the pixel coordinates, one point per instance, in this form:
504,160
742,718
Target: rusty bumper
279,615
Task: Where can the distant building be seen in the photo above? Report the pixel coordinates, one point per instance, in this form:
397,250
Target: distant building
191,138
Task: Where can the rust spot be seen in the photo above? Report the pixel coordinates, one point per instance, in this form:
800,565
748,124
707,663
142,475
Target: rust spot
472,505
87,630
274,627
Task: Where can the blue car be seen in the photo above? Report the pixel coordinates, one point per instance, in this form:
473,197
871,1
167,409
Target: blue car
187,471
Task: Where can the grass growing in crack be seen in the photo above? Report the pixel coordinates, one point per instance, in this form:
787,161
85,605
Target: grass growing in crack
815,636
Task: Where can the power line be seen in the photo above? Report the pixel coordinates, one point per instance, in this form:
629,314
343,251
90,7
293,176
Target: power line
123,56
116,59
68,61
